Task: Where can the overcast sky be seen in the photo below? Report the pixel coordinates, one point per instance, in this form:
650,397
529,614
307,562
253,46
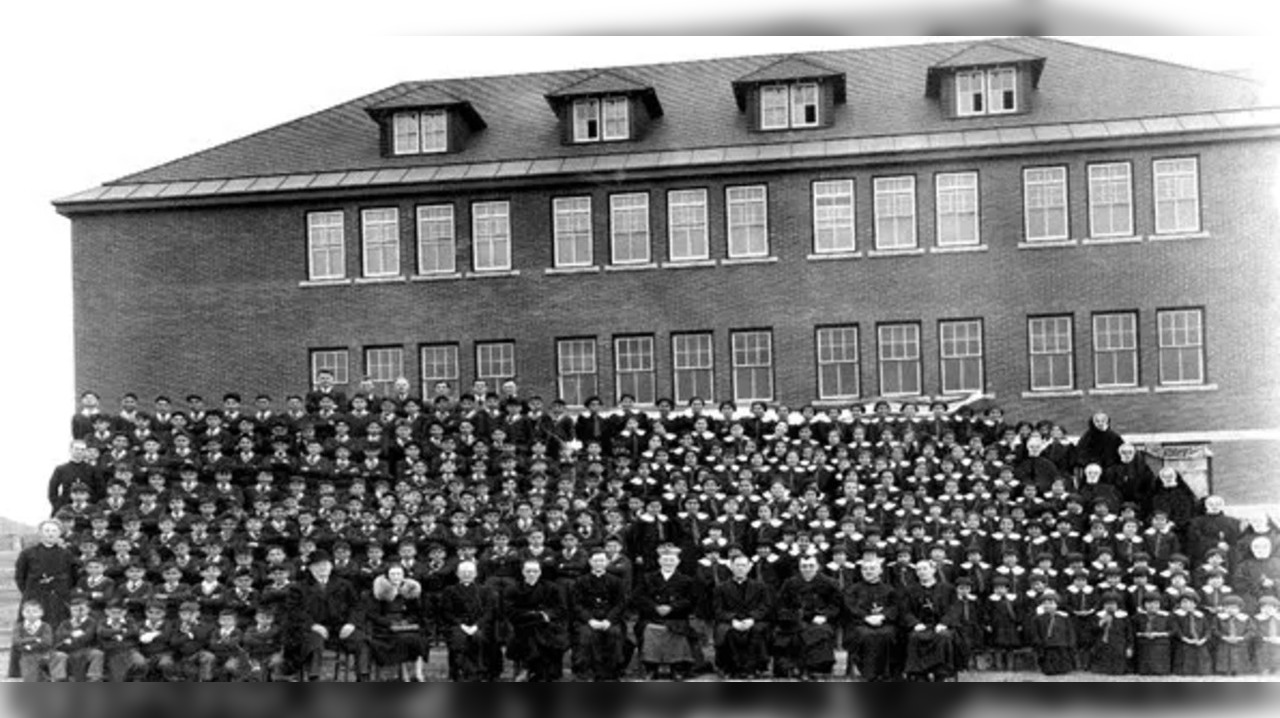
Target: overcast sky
94,103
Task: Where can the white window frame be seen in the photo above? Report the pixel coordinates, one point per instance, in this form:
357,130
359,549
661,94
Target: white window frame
435,131
786,106
1176,193
834,225
406,131
615,119
440,362
1115,344
337,361
1111,200
1047,341
693,203
437,240
971,85
895,208
747,221
634,369
574,243
577,370
775,107
1181,339
629,227
805,95
898,348
384,365
495,361
491,229
752,361
996,88
1041,189
700,361
957,209
837,350
424,132
326,245
380,239
960,343
586,120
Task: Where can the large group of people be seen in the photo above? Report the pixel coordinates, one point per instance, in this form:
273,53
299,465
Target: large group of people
251,541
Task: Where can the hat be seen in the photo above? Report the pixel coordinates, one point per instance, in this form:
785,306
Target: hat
1269,601
228,611
155,605
320,556
1049,595
189,606
1111,597
1179,558
1189,594
1000,581
79,597
1233,600
668,549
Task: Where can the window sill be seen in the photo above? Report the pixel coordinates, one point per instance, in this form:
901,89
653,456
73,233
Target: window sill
631,267
1120,391
734,262
442,277
325,283
833,256
876,253
1127,239
1185,388
834,403
382,280
495,274
1182,237
1049,244
1054,394
555,271
964,249
690,264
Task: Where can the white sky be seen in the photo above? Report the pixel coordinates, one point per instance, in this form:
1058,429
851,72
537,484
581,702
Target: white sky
90,97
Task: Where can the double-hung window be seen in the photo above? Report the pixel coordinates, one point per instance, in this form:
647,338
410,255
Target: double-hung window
440,364
687,225
326,246
495,361
423,132
597,119
957,209
1115,350
573,242
895,205
986,92
1045,198
1177,192
752,366
789,106
838,367
491,236
748,220
1181,334
629,225
437,249
960,351
576,369
899,359
693,366
833,226
381,235
1052,354
1110,200
634,368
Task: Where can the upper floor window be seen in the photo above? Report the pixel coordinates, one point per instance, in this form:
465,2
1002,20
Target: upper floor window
421,132
596,119
1115,350
381,233
1177,190
789,106
573,231
1181,333
895,199
491,236
687,224
899,359
436,246
1052,354
992,91
1045,198
833,217
1110,200
748,219
957,209
326,246
629,224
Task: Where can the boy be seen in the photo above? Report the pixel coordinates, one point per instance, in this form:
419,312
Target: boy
1191,631
33,642
226,645
1152,631
118,639
1233,629
153,643
1266,626
1112,645
189,642
263,646
76,641
1053,636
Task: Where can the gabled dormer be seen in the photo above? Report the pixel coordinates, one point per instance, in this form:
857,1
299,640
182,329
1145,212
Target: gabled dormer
794,93
604,107
423,121
985,79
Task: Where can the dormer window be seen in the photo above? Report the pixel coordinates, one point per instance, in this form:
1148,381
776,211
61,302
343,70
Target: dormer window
987,92
601,119
790,106
424,132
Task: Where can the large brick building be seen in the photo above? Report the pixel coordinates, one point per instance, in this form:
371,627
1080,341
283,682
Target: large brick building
1062,228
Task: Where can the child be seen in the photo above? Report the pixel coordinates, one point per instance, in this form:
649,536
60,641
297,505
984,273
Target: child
1112,647
968,613
153,643
226,645
1053,636
1191,631
76,641
1080,600
1266,627
1233,629
1152,630
1003,622
118,639
263,646
33,642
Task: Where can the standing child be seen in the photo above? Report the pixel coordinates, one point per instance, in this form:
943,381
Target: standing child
33,642
1112,645
1266,627
1191,631
1003,622
1053,636
1152,632
1233,630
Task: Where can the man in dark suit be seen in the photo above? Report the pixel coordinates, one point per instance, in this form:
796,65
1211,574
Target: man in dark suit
76,471
741,608
324,610
324,387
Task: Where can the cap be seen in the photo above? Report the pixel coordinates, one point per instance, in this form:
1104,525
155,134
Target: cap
1233,600
189,606
320,556
1269,601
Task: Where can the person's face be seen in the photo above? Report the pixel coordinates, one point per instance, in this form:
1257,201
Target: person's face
50,532
532,571
808,568
871,571
1101,421
599,562
1127,453
321,570
668,561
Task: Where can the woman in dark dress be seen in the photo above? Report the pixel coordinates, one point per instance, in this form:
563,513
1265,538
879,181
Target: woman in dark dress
396,635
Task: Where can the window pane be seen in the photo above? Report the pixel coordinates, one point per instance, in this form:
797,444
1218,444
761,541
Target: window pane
491,232
895,208
616,123
326,243
970,93
748,221
687,220
586,120
634,368
630,227
573,232
957,209
1002,86
804,105
435,131
1045,195
405,127
381,242
436,248
838,369
833,226
774,110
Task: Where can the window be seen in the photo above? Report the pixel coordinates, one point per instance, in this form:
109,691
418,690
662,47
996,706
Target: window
752,366
1052,353
900,359
384,365
335,361
1115,350
687,224
748,218
1181,346
439,363
326,246
960,352
587,119
895,213
833,217
1177,190
436,247
838,367
381,242
491,236
1045,196
957,209
789,106
573,231
634,368
421,132
1110,200
692,366
576,362
495,361
629,222
983,92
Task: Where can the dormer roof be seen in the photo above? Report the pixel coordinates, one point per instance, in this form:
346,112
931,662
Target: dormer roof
426,97
983,54
606,82
793,68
